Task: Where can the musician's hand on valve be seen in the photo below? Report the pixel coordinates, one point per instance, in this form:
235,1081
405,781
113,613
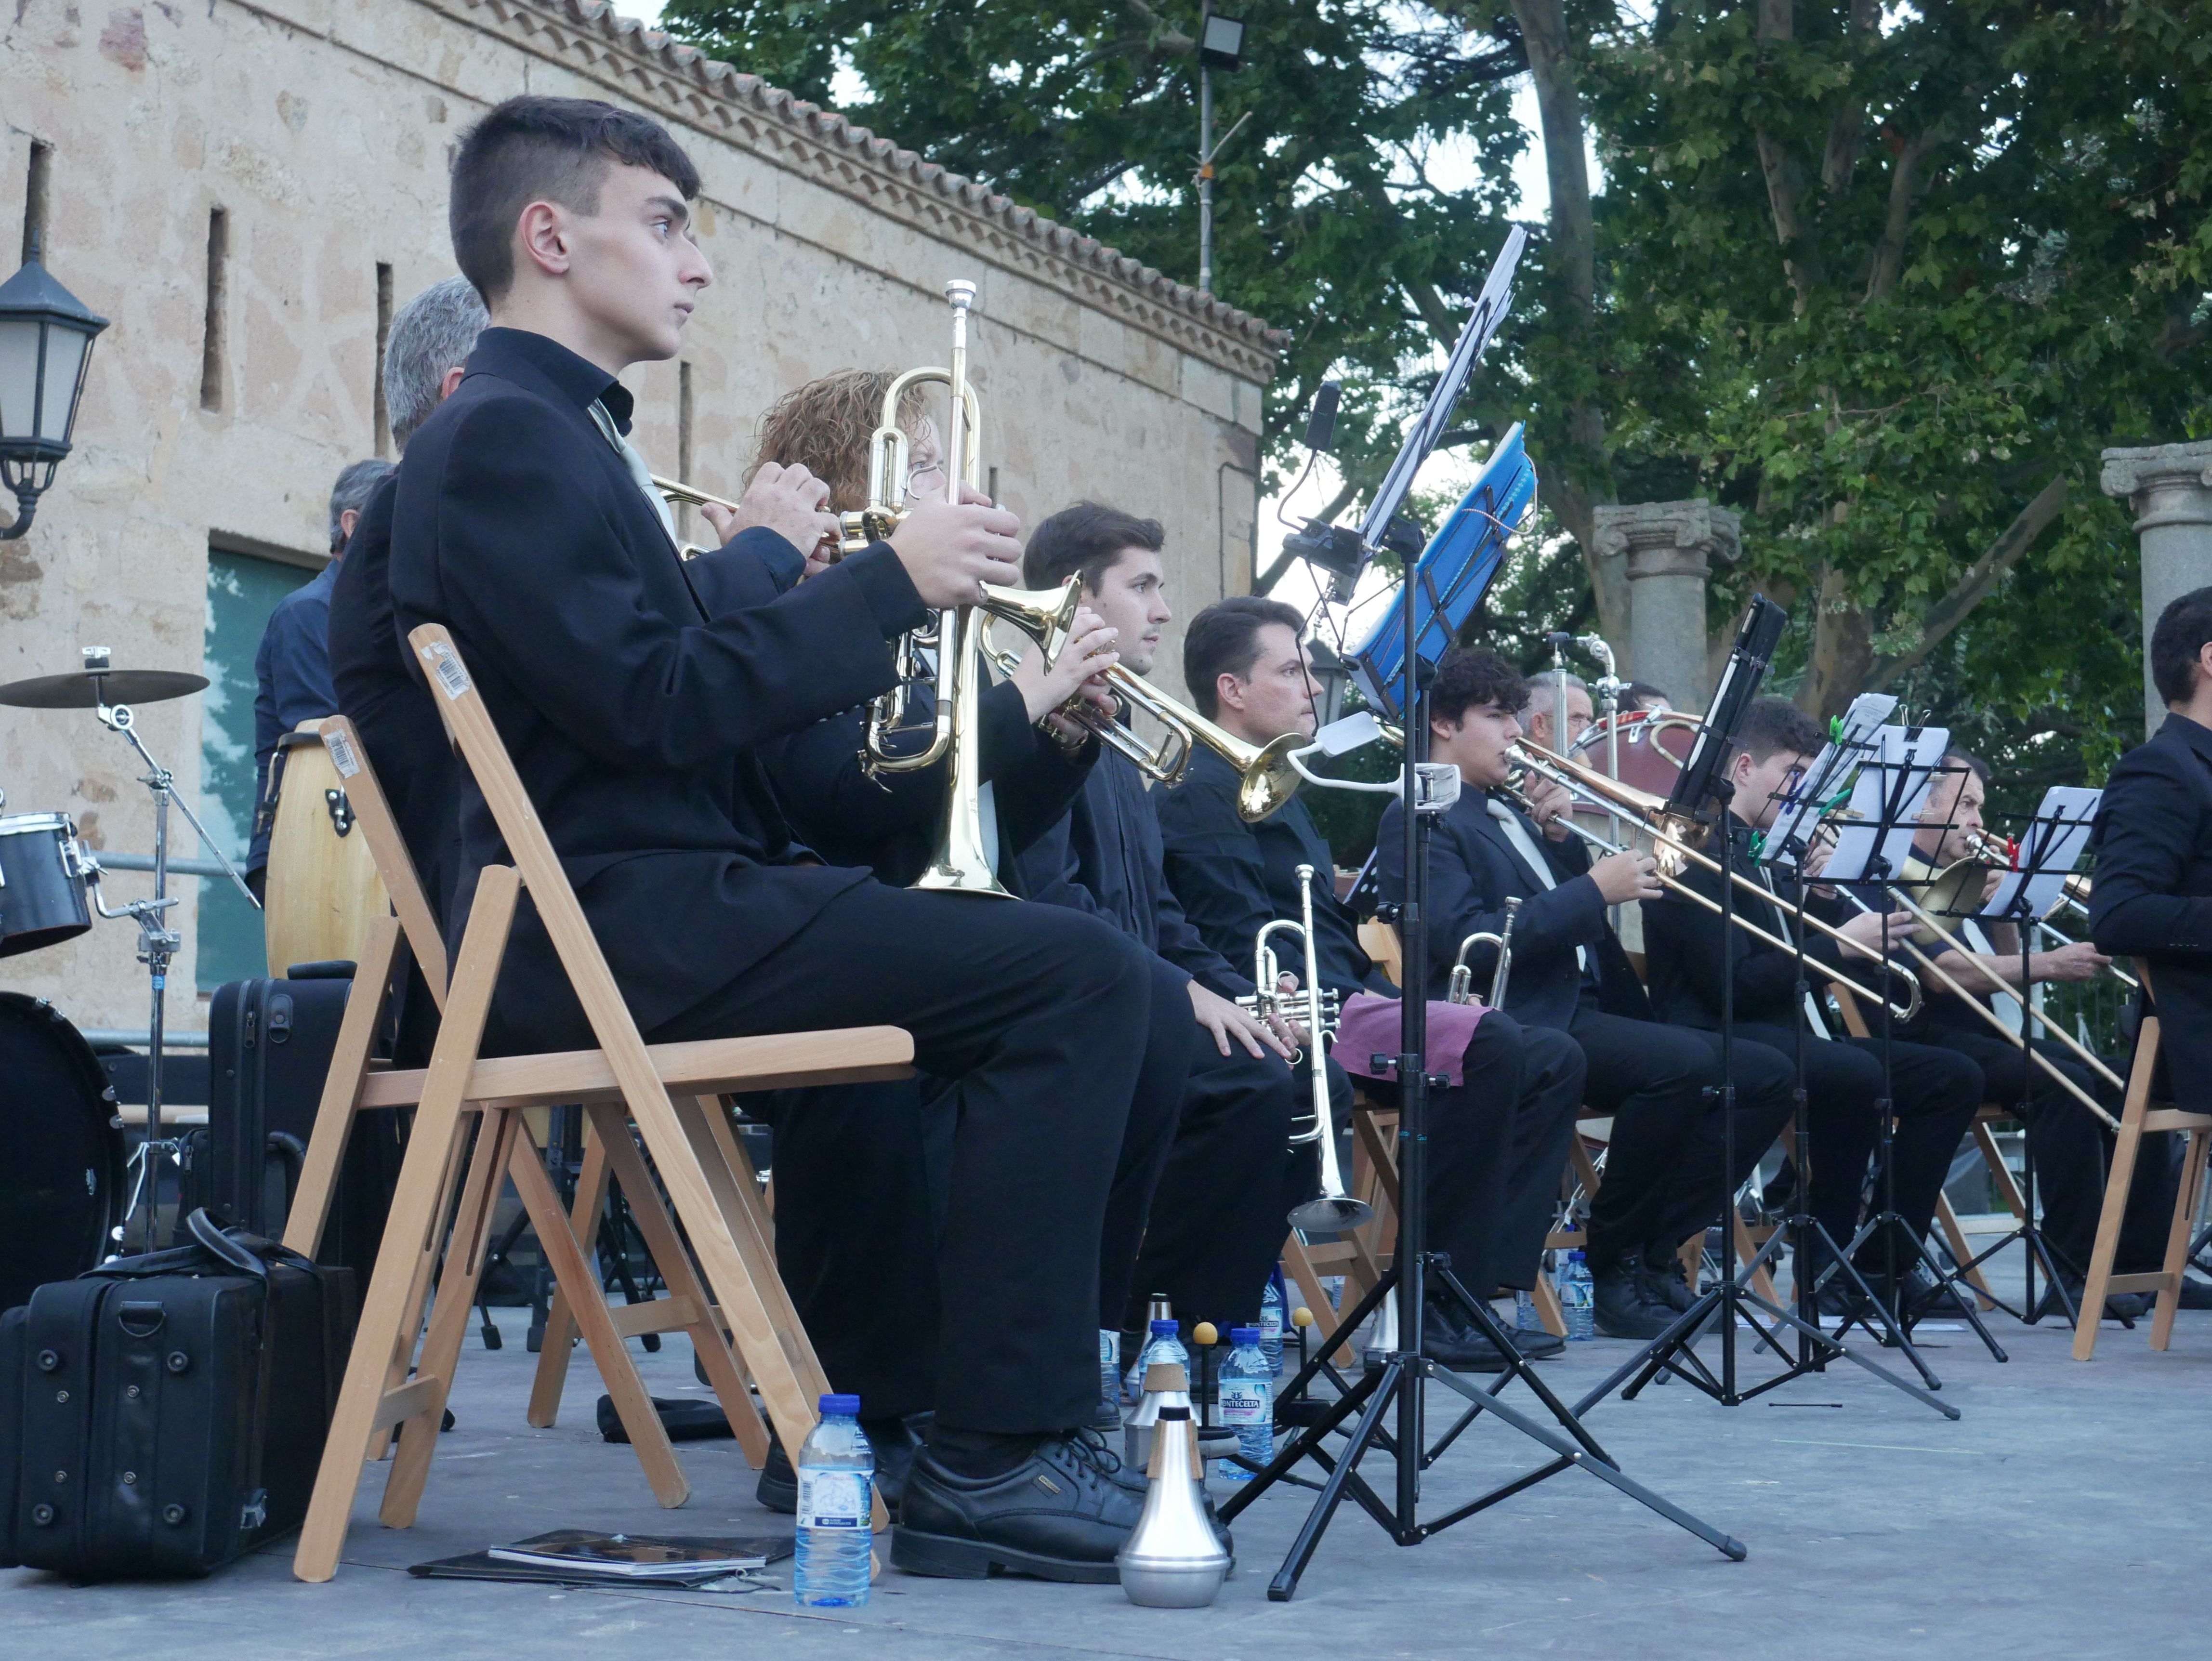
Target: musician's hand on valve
1548,804
1088,653
2078,962
948,550
789,500
1290,1032
1225,1019
1631,875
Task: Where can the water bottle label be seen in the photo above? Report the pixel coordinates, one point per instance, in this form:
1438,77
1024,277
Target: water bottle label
1109,1348
1271,1321
833,1499
1245,1402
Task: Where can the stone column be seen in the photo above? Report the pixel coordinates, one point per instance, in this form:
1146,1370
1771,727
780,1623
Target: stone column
2170,488
1669,547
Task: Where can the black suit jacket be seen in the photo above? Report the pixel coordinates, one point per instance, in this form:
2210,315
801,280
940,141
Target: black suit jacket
1104,857
1686,947
1233,879
891,824
1473,868
633,715
2151,896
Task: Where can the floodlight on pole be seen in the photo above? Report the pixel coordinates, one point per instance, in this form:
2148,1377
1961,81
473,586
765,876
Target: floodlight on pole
1220,46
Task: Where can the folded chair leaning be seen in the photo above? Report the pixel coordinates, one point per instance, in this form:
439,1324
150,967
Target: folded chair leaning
666,1090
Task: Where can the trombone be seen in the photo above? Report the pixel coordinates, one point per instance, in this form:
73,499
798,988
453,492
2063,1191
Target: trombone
1461,988
1333,1210
1676,848
2074,897
678,493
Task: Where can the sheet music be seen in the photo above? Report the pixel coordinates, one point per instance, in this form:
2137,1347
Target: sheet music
1886,798
2049,847
1830,769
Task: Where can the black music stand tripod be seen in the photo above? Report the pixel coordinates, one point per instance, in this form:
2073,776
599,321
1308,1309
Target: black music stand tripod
1399,1382
2049,846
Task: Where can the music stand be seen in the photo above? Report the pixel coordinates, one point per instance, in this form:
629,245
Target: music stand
1704,793
2049,847
1400,1382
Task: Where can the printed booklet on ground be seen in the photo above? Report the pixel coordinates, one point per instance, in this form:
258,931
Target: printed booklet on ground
639,1556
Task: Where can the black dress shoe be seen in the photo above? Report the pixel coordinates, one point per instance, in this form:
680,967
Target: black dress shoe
1060,1514
2119,1305
892,1443
1624,1307
1664,1283
2195,1293
1461,1347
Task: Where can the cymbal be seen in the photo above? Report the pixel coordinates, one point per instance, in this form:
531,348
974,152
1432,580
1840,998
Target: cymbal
86,690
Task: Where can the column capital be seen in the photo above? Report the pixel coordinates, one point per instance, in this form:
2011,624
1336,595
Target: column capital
2165,484
1669,539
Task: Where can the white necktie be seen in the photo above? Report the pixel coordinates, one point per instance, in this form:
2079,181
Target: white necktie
639,472
1533,857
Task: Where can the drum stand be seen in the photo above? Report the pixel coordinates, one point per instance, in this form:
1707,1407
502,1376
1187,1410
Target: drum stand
157,944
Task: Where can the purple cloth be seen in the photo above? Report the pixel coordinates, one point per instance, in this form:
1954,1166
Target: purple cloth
1369,1027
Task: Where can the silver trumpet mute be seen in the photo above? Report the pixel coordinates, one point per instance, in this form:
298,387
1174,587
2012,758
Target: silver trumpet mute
1173,1559
1331,1213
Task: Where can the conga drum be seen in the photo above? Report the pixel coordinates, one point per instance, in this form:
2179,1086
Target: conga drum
323,891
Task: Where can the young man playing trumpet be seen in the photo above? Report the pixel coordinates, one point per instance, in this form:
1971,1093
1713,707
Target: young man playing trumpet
527,526
1663,1178
1935,1092
1498,1138
2071,1145
1216,1223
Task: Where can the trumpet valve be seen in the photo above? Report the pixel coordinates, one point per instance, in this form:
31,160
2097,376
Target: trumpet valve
1462,990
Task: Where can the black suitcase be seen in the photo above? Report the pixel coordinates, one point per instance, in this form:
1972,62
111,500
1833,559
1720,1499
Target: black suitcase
269,1044
166,1413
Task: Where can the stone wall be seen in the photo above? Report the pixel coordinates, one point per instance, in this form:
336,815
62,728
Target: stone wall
322,130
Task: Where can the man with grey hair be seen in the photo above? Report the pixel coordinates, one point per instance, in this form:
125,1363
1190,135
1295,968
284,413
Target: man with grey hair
292,669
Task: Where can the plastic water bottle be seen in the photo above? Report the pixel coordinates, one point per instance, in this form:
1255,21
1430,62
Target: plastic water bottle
1578,1297
836,1485
1272,1305
1247,1403
1110,1365
1525,1315
1164,1347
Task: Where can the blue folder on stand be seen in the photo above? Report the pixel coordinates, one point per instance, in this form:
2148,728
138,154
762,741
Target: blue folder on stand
1451,576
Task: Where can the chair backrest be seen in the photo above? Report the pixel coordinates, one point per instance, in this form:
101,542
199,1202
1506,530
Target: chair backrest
401,882
1379,940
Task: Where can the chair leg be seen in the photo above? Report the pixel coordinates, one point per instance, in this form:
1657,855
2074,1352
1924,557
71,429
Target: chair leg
1547,1307
2177,1239
2000,1177
1946,1218
1308,1281
559,1326
418,1294
610,1131
2125,1148
449,1318
587,1306
414,1208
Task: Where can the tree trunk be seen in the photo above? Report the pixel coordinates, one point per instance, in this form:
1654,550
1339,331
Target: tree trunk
1586,479
1843,649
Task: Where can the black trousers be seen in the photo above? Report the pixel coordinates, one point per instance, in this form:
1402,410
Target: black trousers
1935,1096
1220,1212
1663,1181
1497,1144
1043,1022
2072,1150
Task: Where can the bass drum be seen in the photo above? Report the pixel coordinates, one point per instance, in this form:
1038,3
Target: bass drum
61,1183
323,891
1654,744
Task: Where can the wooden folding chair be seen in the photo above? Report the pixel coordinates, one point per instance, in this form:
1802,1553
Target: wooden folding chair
2138,1119
661,1088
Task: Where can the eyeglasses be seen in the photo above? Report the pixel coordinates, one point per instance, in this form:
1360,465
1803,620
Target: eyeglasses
916,478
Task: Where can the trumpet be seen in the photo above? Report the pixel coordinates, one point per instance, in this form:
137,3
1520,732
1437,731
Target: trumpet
1265,778
1649,811
961,864
678,493
1333,1210
1460,989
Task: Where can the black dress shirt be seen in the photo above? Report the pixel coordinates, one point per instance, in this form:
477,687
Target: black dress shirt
2152,894
633,716
1234,878
1105,857
1473,868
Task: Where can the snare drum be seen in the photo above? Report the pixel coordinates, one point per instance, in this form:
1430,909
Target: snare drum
42,898
61,1184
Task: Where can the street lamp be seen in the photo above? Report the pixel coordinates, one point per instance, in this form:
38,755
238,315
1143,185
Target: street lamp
1220,46
45,343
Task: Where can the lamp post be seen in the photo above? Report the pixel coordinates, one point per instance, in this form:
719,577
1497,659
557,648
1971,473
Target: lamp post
45,343
1220,46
